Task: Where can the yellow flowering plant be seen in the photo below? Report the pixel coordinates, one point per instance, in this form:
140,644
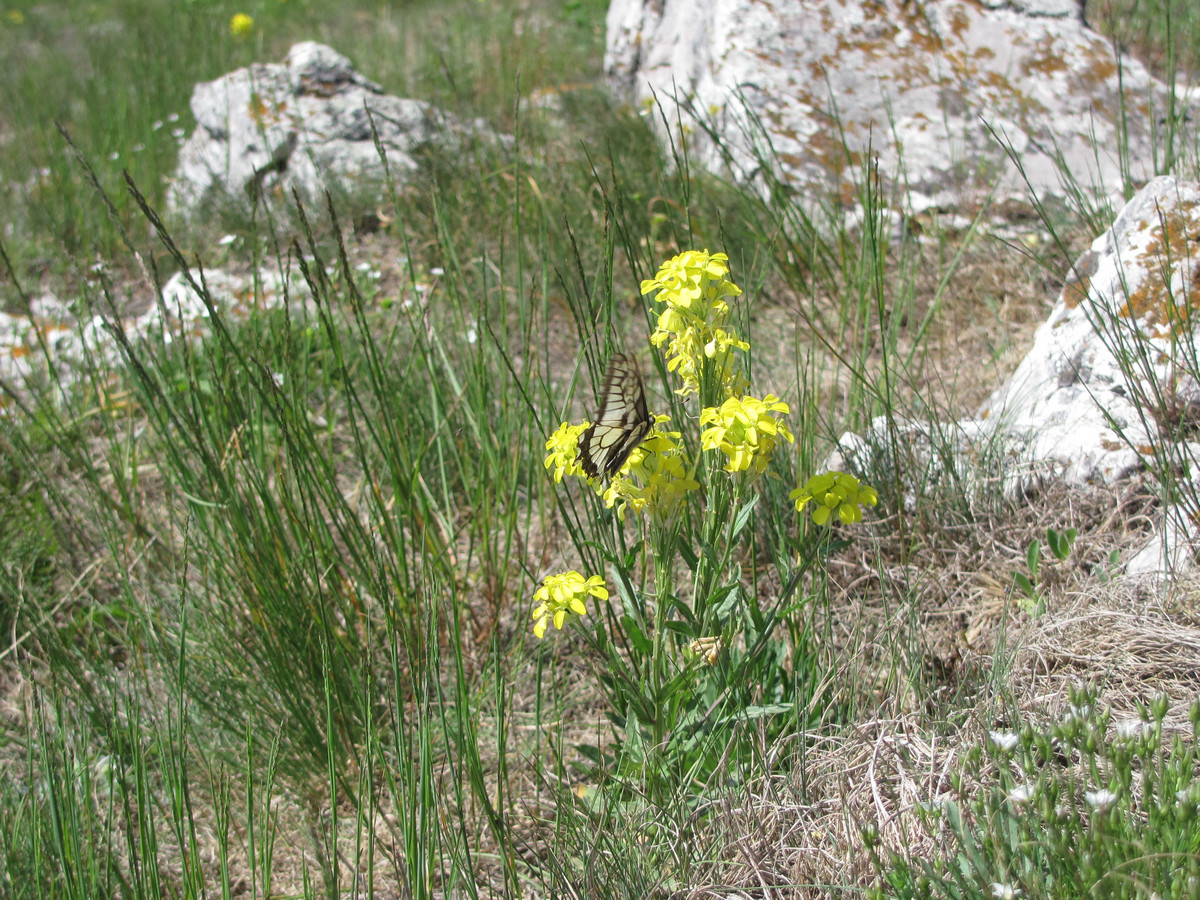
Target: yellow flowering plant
675,651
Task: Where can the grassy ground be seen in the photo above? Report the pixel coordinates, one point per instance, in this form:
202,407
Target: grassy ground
268,597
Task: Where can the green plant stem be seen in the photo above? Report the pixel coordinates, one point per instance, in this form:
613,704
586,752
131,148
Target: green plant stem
664,586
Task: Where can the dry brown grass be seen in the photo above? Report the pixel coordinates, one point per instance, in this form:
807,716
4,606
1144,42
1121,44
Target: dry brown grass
971,658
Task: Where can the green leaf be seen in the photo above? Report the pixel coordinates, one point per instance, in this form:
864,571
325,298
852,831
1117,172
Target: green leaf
683,611
1032,555
1023,583
710,554
689,557
1060,542
685,630
590,752
637,637
759,712
626,591
743,516
681,682
724,599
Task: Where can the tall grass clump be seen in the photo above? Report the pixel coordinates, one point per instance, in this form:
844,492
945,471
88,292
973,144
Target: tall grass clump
117,75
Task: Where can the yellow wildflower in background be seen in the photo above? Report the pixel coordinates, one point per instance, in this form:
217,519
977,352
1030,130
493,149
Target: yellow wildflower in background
695,291
241,25
834,491
561,598
15,16
744,429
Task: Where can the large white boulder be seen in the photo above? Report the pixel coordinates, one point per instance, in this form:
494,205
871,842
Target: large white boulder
934,87
1114,362
304,124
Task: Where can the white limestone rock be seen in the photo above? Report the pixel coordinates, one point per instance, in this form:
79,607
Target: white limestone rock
1082,415
928,85
1112,373
54,346
263,130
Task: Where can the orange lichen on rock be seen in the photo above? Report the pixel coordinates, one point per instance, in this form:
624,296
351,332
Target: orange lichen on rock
1076,292
1049,59
1154,301
264,113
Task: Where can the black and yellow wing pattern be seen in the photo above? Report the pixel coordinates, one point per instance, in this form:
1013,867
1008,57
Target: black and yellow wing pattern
622,423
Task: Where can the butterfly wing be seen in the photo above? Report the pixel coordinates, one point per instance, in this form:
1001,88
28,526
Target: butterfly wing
622,423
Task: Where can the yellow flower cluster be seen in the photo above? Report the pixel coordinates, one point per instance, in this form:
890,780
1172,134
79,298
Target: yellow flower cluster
656,476
662,477
745,431
658,466
834,491
694,289
564,450
561,598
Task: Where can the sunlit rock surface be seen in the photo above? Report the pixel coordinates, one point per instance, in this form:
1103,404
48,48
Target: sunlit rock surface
939,89
304,124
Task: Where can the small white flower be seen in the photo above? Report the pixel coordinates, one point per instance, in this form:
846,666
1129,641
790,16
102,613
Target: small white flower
472,335
437,270
114,156
1022,794
138,148
1100,801
363,267
157,125
177,133
226,240
1128,729
1005,740
1004,891
173,117
277,377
